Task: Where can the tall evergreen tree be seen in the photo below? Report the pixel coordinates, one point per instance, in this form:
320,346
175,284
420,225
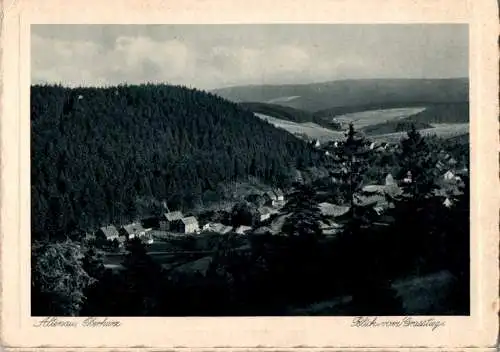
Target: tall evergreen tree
351,163
417,163
305,216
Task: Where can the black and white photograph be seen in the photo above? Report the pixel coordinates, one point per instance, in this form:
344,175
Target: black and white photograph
250,170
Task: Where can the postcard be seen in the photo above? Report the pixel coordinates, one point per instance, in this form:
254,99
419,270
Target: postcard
249,175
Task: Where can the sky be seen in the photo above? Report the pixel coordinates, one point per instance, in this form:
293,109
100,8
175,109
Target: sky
215,56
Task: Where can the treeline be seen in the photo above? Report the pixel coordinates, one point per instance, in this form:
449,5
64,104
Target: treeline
107,155
393,126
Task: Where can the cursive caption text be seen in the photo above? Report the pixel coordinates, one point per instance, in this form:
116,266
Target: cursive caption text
405,322
91,322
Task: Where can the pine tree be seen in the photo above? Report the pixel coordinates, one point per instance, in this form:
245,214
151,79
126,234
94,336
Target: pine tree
305,216
416,161
351,164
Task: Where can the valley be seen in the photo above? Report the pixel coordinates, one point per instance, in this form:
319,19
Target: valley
164,191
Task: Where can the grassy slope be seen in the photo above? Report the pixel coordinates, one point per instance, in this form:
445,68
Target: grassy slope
278,111
308,129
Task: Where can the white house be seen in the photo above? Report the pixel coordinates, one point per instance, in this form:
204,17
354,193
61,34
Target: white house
389,180
264,214
186,225
271,198
217,227
133,230
109,232
168,218
407,178
447,202
449,176
280,197
243,229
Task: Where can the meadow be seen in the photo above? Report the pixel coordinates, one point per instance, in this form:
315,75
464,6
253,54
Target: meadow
309,129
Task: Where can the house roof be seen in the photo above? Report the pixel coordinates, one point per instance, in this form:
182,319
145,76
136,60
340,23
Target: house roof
262,230
264,210
218,227
174,215
109,231
133,228
271,195
279,192
389,180
330,209
190,220
393,190
243,229
375,199
373,188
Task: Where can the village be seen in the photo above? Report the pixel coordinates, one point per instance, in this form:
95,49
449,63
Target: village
157,232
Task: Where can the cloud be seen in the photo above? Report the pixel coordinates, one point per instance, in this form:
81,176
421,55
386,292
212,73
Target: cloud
209,57
130,59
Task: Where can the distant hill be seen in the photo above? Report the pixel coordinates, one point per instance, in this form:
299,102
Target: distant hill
111,155
345,94
443,113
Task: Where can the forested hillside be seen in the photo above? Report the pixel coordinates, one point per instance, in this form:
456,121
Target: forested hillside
102,155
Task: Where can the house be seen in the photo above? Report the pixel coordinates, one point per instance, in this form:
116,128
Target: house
449,176
329,209
270,198
317,144
280,197
407,178
168,218
216,227
242,229
148,239
109,232
376,200
186,225
447,202
389,180
373,189
264,230
133,230
264,213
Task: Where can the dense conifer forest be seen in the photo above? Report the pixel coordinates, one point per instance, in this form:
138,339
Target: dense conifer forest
105,155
